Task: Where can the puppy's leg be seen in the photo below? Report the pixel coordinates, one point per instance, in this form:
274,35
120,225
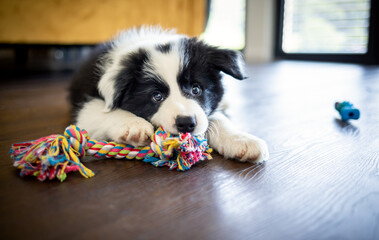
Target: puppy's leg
117,125
235,144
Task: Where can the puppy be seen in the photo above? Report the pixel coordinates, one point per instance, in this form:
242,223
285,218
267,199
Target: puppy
151,77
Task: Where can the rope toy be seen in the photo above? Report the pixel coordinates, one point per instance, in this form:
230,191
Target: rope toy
56,155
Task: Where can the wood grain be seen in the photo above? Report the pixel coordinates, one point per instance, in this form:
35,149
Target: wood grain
321,181
93,21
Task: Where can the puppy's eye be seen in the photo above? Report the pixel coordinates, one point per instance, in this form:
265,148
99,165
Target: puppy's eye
157,96
196,89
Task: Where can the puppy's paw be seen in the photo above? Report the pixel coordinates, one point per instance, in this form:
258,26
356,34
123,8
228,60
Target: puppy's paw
137,132
245,148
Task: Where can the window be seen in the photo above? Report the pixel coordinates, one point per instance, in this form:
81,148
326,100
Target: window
336,30
226,24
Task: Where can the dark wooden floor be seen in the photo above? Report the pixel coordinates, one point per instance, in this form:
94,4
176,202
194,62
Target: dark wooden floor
321,181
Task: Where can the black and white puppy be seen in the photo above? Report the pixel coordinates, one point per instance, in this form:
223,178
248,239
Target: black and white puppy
150,77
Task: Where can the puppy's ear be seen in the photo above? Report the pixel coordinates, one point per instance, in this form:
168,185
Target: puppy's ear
229,62
225,60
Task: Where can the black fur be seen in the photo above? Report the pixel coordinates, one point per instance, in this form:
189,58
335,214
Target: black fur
164,48
84,83
135,88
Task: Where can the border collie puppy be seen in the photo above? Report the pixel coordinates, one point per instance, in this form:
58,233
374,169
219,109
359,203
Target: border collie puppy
150,77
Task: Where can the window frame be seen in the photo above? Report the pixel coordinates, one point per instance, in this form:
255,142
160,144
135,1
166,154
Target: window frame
371,57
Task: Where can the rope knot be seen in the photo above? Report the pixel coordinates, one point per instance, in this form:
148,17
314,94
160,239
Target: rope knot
78,139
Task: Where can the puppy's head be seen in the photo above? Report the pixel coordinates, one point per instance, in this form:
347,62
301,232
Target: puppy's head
174,84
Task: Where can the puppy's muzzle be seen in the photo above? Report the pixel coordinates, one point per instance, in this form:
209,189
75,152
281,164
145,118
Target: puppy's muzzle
185,124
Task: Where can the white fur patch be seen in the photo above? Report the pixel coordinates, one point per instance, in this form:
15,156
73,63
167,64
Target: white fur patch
233,143
117,125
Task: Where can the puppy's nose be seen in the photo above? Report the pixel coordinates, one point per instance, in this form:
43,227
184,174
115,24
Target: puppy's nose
185,124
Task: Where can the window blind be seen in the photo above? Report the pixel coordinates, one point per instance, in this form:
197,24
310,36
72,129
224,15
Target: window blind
326,26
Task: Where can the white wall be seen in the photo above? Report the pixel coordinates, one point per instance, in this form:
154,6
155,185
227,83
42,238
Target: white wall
260,29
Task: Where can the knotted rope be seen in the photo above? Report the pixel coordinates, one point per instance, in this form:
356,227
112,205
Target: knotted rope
55,155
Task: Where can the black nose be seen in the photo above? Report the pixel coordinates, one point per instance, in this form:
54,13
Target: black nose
185,124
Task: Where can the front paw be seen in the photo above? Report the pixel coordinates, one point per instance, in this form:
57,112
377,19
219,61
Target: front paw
137,133
245,148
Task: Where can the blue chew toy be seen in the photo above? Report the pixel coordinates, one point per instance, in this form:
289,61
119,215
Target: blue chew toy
347,111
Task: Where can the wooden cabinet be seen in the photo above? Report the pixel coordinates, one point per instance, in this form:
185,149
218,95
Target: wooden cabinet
93,21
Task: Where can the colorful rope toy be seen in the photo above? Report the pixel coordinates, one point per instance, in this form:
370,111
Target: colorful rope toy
347,111
55,155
